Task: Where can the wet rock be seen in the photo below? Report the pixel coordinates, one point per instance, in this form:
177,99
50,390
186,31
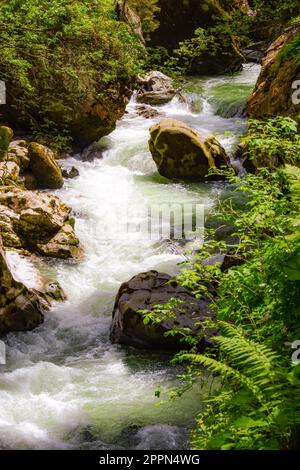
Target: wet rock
145,291
181,152
155,88
9,236
21,309
96,118
63,245
54,292
28,181
44,166
37,221
70,173
273,92
147,112
93,152
6,134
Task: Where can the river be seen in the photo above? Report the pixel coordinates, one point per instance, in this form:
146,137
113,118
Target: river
64,385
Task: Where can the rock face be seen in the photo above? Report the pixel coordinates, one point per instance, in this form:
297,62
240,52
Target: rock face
155,88
38,222
94,119
181,152
273,92
21,309
70,173
145,291
147,112
44,167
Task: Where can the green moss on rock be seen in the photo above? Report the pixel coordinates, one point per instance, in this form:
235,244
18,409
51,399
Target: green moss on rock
44,166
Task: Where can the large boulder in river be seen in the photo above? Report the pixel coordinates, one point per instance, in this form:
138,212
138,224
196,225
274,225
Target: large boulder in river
39,222
155,88
144,292
273,94
21,309
181,152
44,166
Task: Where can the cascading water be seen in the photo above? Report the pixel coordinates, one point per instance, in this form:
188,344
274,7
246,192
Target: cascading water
65,386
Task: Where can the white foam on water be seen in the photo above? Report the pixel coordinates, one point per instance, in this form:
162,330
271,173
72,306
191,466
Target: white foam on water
24,270
64,384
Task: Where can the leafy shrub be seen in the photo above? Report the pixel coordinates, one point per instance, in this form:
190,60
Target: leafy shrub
273,142
254,399
55,54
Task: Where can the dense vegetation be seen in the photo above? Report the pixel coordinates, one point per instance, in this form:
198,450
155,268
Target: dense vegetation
147,10
255,403
217,44
59,56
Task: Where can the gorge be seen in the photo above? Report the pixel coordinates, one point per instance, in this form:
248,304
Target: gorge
73,381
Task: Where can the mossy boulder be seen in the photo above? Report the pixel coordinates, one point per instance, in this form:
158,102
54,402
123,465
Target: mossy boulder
155,88
44,166
182,152
22,306
144,292
21,309
39,222
6,134
64,245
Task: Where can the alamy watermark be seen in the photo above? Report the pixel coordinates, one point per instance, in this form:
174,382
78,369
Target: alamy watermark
2,92
296,92
2,353
296,354
166,221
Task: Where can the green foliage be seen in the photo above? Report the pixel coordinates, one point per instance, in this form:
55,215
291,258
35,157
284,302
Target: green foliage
56,54
275,140
216,48
191,53
147,11
169,311
256,404
291,50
